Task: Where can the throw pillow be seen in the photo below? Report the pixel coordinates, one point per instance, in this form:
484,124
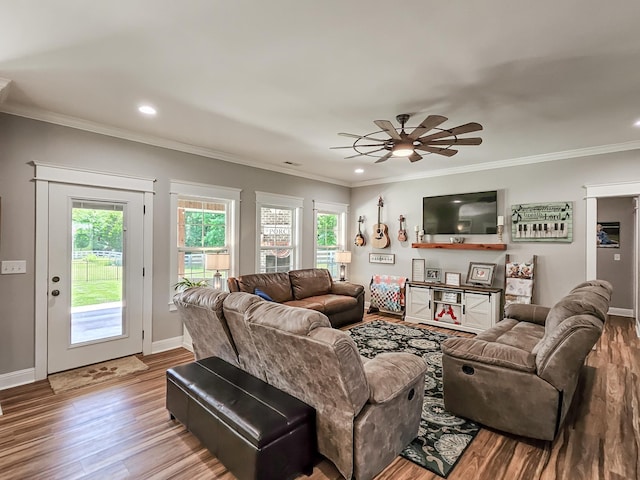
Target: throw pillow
263,295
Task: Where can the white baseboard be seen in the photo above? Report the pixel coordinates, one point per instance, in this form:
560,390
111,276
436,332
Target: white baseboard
19,377
621,312
166,344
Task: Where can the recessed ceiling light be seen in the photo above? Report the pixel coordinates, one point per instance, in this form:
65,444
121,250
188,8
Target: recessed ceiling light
359,170
637,124
147,110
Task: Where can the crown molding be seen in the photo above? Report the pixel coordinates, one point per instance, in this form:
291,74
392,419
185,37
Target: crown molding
512,162
4,89
102,129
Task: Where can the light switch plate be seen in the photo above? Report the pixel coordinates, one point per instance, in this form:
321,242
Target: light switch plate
616,256
13,266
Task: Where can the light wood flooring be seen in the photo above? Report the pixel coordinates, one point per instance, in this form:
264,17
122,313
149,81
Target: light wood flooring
121,429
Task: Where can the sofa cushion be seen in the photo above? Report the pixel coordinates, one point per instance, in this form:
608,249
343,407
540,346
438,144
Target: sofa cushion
276,285
310,282
522,335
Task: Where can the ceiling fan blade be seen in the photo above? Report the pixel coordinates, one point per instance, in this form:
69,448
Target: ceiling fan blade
466,128
362,136
364,154
388,127
456,141
447,152
414,157
384,159
427,124
351,146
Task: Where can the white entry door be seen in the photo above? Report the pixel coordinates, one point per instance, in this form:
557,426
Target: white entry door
95,275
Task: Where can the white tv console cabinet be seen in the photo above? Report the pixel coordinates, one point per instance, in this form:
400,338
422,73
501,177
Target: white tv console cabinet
468,308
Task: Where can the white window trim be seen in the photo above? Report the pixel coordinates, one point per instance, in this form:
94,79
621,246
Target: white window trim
276,200
341,209
202,191
48,173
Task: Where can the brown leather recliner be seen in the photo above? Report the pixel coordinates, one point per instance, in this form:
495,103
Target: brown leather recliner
312,288
521,375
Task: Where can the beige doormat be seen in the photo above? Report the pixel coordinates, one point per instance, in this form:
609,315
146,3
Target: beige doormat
93,374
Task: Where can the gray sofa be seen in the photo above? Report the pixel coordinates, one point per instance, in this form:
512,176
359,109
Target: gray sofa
312,288
520,376
367,411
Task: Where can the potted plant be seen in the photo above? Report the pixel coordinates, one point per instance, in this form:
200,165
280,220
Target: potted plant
187,283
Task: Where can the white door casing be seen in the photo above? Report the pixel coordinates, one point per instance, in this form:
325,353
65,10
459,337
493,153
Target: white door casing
47,174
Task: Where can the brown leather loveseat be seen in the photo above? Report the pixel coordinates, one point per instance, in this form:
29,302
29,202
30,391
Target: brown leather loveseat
520,376
313,288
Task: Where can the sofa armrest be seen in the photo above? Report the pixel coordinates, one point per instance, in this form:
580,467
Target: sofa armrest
390,374
489,353
523,312
346,288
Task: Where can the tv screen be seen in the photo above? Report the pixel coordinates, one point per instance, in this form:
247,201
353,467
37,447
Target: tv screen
465,213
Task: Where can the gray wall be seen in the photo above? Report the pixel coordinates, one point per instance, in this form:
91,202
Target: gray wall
560,266
23,141
618,272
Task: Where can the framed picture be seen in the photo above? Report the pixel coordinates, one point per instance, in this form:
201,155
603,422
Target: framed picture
450,297
452,279
481,273
417,270
433,275
389,258
542,222
608,234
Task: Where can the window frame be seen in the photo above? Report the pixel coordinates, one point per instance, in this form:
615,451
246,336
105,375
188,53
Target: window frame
275,200
205,193
330,208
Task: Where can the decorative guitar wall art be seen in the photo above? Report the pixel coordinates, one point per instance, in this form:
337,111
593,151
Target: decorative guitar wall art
402,233
380,231
360,240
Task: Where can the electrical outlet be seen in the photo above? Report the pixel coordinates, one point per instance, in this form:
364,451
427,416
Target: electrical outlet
616,257
13,266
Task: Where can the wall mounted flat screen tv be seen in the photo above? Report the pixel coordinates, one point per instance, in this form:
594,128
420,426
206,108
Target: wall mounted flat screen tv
461,214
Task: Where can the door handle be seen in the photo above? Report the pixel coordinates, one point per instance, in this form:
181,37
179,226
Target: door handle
55,293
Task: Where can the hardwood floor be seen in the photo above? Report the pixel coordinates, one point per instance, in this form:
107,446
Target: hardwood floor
121,429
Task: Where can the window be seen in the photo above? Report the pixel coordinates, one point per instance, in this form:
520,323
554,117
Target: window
202,232
278,219
204,224
330,234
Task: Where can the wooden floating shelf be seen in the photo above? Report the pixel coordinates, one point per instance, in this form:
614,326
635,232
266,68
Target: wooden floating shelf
462,246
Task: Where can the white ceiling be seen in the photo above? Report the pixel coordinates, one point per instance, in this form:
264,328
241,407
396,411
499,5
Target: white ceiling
264,82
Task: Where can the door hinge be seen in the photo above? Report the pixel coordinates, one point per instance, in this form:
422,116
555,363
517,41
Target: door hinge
143,271
143,334
144,209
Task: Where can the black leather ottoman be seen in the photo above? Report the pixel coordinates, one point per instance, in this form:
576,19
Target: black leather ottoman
257,431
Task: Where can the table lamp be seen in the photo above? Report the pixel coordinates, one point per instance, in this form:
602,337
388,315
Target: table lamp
219,261
343,258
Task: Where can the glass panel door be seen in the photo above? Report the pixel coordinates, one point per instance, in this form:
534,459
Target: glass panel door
96,271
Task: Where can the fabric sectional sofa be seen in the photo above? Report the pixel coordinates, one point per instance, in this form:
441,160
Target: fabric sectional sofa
367,411
520,376
313,288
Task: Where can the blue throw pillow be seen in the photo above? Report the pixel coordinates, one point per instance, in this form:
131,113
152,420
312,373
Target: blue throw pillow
261,294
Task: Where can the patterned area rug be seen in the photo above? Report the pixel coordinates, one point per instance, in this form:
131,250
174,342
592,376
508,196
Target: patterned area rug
442,437
92,374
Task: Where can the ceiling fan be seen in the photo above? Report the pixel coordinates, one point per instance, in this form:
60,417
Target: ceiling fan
403,144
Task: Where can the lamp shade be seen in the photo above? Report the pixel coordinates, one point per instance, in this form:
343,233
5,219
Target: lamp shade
218,261
343,257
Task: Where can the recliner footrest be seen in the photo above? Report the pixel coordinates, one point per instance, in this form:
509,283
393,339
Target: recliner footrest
257,431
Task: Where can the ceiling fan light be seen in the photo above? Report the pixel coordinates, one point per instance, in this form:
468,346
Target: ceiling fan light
402,149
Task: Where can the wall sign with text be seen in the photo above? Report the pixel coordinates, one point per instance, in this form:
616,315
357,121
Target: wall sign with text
542,222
